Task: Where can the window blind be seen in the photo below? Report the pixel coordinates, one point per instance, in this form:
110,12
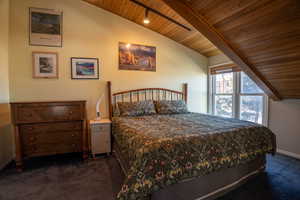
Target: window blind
225,68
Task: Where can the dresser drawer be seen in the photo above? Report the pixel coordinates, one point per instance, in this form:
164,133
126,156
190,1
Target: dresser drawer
53,138
101,128
51,127
50,149
35,113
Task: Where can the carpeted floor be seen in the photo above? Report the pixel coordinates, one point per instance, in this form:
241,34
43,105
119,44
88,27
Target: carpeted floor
67,178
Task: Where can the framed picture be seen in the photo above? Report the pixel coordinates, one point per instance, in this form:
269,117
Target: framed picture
45,27
137,57
85,68
45,64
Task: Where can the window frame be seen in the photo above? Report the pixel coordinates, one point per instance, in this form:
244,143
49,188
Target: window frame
265,98
214,94
236,97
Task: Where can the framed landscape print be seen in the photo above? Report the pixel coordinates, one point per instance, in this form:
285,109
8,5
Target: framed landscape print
137,57
85,68
45,64
45,27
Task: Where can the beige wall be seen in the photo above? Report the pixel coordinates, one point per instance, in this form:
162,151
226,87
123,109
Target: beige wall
5,129
284,119
4,83
218,59
93,32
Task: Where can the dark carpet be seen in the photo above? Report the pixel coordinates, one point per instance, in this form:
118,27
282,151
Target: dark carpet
67,178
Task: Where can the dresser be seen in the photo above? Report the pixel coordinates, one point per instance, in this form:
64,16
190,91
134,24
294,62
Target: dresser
100,136
49,128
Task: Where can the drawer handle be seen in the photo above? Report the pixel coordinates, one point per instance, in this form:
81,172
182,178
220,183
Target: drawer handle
32,139
71,112
74,134
34,149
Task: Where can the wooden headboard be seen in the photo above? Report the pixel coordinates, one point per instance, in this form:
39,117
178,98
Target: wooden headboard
143,94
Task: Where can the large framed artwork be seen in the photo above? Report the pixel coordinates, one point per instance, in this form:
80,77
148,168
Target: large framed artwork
137,57
45,64
85,68
45,27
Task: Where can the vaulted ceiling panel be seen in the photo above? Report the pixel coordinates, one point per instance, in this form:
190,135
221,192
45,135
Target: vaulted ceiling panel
127,9
262,36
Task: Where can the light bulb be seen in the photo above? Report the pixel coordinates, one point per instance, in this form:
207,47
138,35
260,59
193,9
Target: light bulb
146,21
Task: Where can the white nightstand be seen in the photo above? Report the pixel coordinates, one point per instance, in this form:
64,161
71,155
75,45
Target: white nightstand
100,136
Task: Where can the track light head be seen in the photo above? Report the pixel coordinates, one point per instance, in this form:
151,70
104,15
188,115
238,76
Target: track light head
146,18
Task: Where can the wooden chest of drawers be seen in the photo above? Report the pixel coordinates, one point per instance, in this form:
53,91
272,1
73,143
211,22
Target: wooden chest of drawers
49,128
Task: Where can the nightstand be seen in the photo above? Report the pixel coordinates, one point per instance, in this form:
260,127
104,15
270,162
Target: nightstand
100,136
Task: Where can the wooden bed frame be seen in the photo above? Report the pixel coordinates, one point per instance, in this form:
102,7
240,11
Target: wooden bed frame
143,94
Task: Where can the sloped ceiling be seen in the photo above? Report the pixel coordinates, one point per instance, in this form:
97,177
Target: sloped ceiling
129,10
261,36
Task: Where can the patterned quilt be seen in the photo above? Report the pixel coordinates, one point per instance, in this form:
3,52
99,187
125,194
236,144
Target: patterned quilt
167,149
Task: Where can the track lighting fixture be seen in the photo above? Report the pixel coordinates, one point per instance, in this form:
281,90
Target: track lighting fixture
149,9
146,18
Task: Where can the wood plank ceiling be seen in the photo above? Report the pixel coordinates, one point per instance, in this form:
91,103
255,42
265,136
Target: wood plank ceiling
192,39
261,36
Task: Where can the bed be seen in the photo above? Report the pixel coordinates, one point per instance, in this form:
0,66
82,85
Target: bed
183,155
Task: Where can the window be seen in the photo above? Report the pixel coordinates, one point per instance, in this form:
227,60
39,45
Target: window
251,100
234,94
248,86
223,94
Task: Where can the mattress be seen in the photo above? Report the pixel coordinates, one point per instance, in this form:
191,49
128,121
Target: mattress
164,150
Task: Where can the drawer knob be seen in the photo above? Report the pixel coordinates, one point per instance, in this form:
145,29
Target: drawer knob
32,139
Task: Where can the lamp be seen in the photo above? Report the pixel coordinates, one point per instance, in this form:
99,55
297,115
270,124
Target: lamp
146,18
98,107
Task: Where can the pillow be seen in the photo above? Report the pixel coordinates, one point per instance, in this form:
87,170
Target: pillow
171,107
136,108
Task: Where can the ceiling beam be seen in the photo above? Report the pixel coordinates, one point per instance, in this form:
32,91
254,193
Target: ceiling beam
202,25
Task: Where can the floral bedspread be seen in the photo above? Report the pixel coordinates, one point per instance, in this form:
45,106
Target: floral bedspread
167,149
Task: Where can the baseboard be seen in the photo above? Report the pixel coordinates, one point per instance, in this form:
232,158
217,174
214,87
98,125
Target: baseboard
287,153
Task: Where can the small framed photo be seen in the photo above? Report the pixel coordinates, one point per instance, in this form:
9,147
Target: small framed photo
45,64
45,27
85,68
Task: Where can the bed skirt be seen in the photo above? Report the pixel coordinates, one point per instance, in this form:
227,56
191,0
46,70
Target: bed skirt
206,187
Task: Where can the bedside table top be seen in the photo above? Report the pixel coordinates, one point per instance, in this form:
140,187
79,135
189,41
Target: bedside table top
101,121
